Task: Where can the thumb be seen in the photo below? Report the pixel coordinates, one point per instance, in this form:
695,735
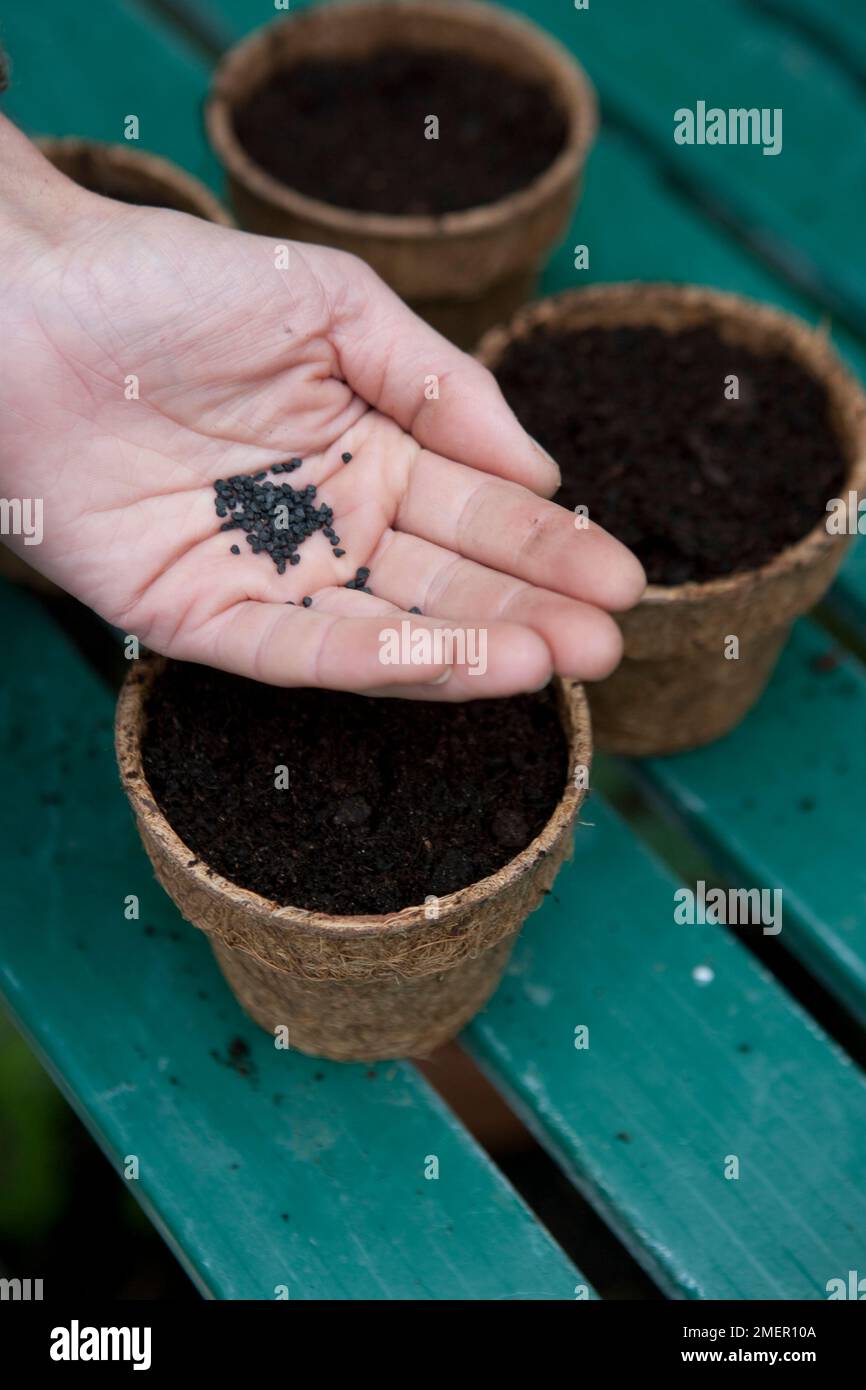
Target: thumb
440,395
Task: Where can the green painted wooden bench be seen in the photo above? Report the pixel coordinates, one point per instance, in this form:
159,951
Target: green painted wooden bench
286,1176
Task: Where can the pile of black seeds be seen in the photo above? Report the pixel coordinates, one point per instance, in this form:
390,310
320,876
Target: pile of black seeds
388,800
256,506
696,485
353,132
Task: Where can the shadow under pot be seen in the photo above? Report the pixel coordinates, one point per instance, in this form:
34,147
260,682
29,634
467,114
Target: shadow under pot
441,143
718,438
360,867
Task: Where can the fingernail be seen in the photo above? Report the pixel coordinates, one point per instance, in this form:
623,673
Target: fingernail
546,455
440,680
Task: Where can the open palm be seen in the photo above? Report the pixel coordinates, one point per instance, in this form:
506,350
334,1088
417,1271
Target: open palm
153,354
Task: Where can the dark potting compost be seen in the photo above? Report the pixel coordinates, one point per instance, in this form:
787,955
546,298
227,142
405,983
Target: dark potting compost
353,133
697,485
387,802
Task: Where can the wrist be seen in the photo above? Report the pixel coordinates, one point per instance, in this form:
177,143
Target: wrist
41,211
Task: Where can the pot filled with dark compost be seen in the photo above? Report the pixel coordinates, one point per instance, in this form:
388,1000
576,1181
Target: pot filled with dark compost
713,436
443,143
361,866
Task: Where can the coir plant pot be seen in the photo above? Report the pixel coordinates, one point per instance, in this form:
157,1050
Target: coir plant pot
365,986
462,270
132,176
678,687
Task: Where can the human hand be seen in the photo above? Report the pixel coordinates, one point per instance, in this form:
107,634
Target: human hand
240,365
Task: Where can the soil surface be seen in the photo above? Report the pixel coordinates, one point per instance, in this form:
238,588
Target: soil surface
695,484
388,801
353,133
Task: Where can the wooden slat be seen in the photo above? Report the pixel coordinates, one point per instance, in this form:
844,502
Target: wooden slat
801,209
838,28
795,822
81,69
679,1076
298,1173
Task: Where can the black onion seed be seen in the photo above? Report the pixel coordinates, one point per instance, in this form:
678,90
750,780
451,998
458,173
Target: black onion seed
236,550
253,503
347,458
307,601
416,610
360,580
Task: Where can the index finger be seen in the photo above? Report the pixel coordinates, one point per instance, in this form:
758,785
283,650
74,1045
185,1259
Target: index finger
509,528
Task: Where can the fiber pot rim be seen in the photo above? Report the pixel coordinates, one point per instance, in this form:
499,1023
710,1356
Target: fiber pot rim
810,346
128,160
577,100
129,724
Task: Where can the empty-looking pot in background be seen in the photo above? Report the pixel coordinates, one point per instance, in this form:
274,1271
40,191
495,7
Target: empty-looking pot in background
462,269
683,681
363,986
